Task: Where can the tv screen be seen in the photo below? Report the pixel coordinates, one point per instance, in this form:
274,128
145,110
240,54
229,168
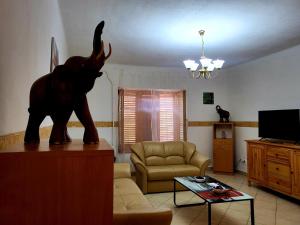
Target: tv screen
279,124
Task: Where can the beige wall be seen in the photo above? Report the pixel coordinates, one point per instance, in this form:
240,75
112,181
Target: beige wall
271,82
26,30
104,95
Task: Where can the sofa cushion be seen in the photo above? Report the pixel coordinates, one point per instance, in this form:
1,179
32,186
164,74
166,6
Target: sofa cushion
127,196
155,161
164,153
174,153
174,160
121,170
154,153
170,171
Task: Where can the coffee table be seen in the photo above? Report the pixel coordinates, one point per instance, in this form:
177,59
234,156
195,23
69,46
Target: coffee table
204,191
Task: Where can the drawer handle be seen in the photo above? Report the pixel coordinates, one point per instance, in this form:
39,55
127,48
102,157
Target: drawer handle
277,168
276,155
277,182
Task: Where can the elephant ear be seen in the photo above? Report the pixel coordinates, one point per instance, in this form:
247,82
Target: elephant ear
97,38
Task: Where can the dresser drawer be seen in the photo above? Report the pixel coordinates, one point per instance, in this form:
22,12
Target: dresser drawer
279,176
280,185
279,170
279,154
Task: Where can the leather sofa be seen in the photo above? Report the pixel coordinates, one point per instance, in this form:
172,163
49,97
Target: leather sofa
157,163
130,206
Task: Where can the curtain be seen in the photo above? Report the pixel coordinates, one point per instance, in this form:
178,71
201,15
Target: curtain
150,115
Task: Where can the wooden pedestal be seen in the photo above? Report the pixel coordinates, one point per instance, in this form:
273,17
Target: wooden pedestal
68,184
223,151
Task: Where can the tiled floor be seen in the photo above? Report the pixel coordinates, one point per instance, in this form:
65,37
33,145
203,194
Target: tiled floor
270,208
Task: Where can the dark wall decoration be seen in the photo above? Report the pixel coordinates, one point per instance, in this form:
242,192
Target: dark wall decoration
63,91
208,98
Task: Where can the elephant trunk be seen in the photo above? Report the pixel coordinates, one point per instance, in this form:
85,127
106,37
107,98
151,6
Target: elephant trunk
97,43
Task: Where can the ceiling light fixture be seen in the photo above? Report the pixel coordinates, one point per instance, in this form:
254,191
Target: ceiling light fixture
208,65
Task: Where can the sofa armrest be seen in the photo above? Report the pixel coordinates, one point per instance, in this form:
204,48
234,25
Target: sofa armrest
200,161
122,170
138,164
141,172
159,216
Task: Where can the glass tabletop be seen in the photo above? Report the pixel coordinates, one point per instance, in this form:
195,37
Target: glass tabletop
207,189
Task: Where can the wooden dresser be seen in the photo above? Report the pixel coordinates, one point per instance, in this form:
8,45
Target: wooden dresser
56,185
276,166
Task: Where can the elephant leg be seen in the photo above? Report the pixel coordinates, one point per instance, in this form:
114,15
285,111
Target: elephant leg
67,136
83,113
32,135
58,133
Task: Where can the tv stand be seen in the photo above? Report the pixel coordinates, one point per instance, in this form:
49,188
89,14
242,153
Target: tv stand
275,166
297,143
277,141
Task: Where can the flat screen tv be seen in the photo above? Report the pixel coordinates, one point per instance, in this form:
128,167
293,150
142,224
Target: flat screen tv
279,124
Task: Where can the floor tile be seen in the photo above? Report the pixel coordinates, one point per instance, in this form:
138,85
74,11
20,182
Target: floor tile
270,207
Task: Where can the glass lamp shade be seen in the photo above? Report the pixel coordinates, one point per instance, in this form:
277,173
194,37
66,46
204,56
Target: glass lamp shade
210,67
189,63
205,61
194,66
218,63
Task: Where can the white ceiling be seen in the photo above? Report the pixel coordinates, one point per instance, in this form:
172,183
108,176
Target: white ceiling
165,32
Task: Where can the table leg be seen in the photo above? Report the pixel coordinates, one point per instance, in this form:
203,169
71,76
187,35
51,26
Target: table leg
184,205
252,211
209,213
174,192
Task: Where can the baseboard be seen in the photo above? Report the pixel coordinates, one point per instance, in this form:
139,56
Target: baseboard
210,168
242,172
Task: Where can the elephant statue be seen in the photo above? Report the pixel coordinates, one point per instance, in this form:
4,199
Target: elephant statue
63,91
224,115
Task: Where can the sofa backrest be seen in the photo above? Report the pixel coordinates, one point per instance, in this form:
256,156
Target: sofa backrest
164,153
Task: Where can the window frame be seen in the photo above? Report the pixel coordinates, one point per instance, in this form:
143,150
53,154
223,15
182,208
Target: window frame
124,146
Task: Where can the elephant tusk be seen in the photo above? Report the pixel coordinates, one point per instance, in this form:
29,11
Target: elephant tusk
109,53
101,52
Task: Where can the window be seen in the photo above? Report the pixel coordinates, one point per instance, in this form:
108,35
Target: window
146,115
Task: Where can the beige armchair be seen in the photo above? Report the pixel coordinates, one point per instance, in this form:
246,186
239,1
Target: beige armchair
157,163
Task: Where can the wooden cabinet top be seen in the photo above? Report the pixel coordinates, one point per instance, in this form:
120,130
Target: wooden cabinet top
284,145
75,146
